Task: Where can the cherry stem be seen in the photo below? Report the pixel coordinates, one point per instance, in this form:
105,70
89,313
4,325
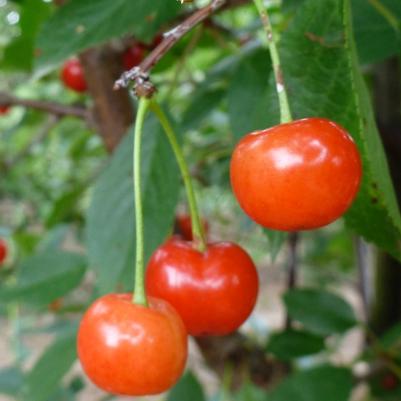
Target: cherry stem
139,295
285,112
197,229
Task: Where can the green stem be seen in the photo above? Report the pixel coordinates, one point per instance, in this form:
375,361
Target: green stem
197,229
139,296
285,111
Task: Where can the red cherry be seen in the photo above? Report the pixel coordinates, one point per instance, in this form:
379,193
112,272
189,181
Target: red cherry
214,292
3,251
296,176
185,226
129,349
4,109
156,41
389,382
72,74
133,56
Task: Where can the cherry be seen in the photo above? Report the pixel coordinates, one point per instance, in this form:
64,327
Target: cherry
133,56
184,226
129,349
4,109
296,176
3,251
156,41
389,382
72,75
214,292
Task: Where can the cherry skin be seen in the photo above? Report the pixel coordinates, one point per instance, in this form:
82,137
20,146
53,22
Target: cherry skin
4,109
3,251
72,74
214,292
184,225
296,176
129,349
133,56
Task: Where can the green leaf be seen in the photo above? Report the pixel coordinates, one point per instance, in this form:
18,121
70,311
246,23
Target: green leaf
46,276
247,95
323,79
84,23
322,383
321,312
276,240
250,392
377,35
292,344
19,54
187,389
43,379
110,219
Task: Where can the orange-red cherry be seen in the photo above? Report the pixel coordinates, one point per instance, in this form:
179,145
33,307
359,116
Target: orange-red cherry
4,109
128,349
296,176
184,225
133,56
72,75
214,292
3,251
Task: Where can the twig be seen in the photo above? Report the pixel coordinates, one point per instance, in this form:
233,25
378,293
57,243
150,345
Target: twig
50,107
140,74
293,239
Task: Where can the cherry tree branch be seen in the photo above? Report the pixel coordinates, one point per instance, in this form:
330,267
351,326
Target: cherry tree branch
57,109
140,74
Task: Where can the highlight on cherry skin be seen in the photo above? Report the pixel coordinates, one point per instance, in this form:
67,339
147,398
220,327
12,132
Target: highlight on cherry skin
72,75
129,349
214,292
296,176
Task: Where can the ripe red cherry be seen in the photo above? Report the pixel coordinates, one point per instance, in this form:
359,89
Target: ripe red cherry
133,56
389,382
184,226
214,292
72,74
4,109
128,349
296,176
3,251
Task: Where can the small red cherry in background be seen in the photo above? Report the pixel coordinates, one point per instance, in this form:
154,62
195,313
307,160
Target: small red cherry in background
389,382
4,109
214,292
184,226
3,251
156,41
72,74
129,349
296,176
133,56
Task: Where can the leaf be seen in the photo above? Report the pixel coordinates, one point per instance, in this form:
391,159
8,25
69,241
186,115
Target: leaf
43,379
376,36
276,240
250,392
321,383
19,53
11,380
110,218
187,389
247,95
321,312
84,23
323,78
46,276
293,344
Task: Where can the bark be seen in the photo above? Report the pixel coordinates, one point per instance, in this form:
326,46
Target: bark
386,308
113,110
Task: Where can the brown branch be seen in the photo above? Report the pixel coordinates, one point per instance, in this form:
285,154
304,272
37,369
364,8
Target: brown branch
140,74
57,109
